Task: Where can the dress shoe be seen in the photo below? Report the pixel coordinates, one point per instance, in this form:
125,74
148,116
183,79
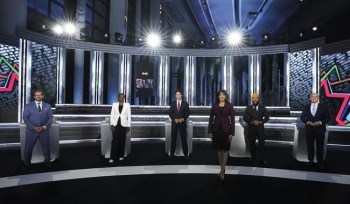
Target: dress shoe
111,161
187,157
121,158
320,166
310,164
263,163
48,164
26,167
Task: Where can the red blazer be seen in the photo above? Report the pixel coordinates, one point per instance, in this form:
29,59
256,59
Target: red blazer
224,119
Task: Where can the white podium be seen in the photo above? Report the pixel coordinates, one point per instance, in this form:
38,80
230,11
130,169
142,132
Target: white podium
239,144
37,155
106,140
178,149
300,145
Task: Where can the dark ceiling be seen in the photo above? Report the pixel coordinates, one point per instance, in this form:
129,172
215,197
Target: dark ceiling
282,20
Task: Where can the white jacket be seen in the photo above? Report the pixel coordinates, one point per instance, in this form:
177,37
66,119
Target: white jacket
125,115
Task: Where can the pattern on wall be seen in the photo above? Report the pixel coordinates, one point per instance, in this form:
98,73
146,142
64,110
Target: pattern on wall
335,82
300,79
9,71
44,71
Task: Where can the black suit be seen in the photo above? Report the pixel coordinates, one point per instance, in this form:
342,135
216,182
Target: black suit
315,132
256,131
175,114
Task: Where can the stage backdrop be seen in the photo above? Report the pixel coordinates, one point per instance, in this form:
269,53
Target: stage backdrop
9,73
335,86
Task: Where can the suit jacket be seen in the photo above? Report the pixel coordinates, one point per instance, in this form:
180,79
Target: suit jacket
251,114
33,118
224,119
124,116
183,113
321,114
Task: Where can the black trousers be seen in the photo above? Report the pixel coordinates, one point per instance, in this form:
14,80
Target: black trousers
315,134
257,132
118,142
175,127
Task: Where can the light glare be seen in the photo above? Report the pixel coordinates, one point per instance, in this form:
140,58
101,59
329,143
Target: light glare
235,38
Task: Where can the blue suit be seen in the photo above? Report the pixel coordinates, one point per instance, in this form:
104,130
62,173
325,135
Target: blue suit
33,118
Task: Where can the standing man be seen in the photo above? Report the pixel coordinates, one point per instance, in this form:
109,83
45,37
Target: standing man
179,112
120,120
255,116
315,116
37,115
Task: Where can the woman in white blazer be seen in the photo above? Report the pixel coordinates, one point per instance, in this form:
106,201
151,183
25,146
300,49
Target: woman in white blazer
120,121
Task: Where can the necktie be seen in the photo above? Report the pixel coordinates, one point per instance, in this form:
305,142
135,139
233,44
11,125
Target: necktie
39,107
178,106
313,110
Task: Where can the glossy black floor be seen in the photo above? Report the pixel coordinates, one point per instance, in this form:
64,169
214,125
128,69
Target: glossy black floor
173,188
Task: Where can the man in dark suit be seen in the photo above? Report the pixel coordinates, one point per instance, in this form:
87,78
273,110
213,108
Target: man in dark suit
179,112
37,115
315,116
255,116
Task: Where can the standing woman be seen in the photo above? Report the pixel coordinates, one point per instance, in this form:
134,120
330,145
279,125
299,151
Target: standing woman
221,128
120,124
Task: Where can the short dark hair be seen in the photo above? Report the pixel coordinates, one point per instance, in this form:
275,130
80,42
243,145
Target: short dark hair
121,94
223,91
178,90
37,90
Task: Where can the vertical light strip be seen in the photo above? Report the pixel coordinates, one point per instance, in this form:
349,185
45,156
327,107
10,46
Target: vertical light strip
258,73
125,76
93,70
314,71
100,76
193,80
122,65
25,75
251,81
167,80
61,75
287,77
186,90
161,82
317,65
227,76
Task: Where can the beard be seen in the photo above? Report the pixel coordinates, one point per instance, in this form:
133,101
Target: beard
255,103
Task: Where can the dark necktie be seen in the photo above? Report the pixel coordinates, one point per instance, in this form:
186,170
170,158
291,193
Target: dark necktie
39,107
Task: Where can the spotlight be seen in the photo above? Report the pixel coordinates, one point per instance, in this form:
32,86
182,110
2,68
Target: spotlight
58,29
118,38
235,38
214,42
177,39
69,28
202,44
153,40
266,38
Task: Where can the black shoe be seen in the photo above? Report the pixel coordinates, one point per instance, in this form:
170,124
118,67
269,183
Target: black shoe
310,164
320,166
187,157
263,163
25,167
48,164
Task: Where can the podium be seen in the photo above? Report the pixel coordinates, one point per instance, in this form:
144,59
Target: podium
37,155
106,140
178,149
240,145
300,145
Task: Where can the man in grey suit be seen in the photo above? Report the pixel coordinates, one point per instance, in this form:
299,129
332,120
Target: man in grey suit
37,115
